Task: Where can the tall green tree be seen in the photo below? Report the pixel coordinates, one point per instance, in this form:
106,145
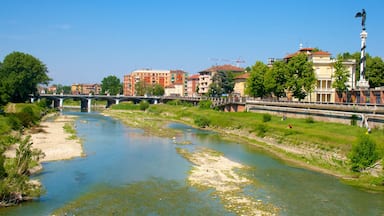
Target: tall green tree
111,85
302,79
157,90
340,76
20,74
375,72
223,82
275,80
255,82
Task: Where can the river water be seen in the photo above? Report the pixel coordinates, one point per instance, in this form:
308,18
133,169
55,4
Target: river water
126,172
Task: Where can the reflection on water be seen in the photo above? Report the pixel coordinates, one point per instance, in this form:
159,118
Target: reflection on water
126,172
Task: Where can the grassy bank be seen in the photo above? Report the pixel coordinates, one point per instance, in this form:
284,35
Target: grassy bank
321,146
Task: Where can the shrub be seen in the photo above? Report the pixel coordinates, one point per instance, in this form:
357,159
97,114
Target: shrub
363,153
202,121
354,120
125,106
144,105
267,117
261,129
205,104
309,120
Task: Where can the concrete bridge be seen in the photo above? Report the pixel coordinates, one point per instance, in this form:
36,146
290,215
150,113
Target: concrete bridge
86,100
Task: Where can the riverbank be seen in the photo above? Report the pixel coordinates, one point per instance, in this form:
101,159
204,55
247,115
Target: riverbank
321,147
52,138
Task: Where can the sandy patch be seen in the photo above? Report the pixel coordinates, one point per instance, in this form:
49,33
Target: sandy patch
212,170
55,142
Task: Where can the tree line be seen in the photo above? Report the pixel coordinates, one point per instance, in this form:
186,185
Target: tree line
296,77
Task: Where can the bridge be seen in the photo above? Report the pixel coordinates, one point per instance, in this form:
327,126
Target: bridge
86,100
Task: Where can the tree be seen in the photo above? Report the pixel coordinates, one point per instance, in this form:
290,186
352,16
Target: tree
222,83
275,80
374,68
301,79
157,90
111,85
375,72
255,82
340,76
63,89
20,74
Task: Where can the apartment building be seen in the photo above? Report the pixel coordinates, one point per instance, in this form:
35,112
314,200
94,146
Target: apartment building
192,85
165,78
86,89
206,76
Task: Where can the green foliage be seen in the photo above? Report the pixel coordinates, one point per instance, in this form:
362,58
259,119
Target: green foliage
15,186
309,120
374,68
301,79
261,129
142,88
202,121
178,102
340,75
354,119
205,104
20,74
157,90
125,106
144,105
275,79
222,83
267,117
111,85
255,82
363,153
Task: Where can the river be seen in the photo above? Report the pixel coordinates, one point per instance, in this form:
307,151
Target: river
126,172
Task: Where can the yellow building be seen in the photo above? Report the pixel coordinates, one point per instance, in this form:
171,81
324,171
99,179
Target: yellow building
323,67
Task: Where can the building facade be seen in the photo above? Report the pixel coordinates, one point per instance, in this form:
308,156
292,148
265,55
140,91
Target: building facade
86,89
240,84
206,76
192,85
324,70
165,78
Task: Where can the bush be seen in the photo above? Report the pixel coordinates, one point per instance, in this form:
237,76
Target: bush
202,121
125,106
205,104
309,120
144,105
354,120
261,129
363,153
267,117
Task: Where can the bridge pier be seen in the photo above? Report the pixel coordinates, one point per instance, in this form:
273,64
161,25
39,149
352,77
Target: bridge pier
61,100
86,104
117,101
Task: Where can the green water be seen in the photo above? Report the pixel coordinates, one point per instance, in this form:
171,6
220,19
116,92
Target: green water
128,173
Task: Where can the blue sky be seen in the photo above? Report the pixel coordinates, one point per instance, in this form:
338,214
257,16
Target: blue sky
83,41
